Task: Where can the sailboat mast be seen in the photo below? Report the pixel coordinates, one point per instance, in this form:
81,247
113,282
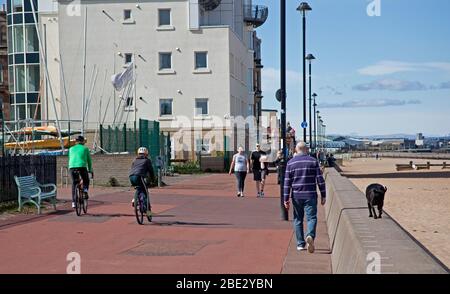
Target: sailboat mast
83,98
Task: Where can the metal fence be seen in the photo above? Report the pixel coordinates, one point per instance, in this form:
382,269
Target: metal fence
127,138
43,167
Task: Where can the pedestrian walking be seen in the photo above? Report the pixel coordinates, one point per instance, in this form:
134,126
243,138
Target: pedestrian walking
302,177
241,167
258,175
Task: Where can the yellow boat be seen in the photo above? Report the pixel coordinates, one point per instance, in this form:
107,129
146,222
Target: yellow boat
44,130
40,144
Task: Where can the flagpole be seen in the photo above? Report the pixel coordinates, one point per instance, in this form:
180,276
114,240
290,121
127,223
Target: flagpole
83,98
135,93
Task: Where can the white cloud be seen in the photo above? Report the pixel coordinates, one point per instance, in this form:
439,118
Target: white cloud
391,85
388,67
370,103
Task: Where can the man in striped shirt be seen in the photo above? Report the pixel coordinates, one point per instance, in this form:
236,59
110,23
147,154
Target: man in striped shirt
303,175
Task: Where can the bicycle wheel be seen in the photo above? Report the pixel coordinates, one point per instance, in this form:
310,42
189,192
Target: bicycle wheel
78,201
148,209
85,204
138,208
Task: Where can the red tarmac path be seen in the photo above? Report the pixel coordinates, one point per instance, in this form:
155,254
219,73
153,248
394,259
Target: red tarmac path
200,227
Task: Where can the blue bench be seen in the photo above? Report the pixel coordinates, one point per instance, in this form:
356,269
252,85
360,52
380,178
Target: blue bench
30,191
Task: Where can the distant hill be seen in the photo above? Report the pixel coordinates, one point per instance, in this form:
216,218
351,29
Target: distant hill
388,136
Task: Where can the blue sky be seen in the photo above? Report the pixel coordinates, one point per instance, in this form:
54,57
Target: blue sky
374,75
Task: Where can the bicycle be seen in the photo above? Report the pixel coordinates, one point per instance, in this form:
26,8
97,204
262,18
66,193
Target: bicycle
81,203
142,205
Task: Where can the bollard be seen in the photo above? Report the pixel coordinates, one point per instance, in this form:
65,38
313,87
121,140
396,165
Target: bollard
159,177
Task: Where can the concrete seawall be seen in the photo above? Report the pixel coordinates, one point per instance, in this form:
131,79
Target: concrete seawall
409,155
359,242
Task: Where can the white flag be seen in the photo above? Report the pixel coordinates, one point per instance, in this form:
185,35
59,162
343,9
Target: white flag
121,80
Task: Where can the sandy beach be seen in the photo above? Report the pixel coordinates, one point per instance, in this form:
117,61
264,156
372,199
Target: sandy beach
418,200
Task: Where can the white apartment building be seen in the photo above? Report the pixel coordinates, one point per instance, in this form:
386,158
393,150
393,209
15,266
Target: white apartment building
193,66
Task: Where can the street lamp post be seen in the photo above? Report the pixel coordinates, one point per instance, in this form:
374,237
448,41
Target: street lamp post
310,58
315,124
304,8
282,165
319,124
317,129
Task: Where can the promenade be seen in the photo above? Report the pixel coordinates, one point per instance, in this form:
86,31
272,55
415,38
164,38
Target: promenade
200,227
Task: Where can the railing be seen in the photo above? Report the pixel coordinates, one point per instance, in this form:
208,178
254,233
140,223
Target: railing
256,14
209,5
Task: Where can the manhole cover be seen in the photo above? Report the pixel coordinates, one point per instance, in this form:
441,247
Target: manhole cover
151,247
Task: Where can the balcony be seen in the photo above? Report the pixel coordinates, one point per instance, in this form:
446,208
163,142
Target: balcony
209,5
256,15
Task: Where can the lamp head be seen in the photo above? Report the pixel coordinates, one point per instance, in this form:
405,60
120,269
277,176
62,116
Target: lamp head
304,7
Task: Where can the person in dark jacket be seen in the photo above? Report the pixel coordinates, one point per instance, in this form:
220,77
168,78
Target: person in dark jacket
302,177
140,169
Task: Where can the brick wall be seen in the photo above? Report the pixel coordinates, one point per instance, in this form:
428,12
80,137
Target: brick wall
105,167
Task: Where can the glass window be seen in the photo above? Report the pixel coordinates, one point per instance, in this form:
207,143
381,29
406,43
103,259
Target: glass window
34,111
164,17
202,145
20,78
20,112
201,60
10,43
201,106
13,113
165,61
17,6
129,102
11,79
2,80
32,42
18,39
33,78
127,14
165,106
128,58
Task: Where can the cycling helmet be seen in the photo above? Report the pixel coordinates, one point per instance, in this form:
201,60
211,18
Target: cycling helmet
142,151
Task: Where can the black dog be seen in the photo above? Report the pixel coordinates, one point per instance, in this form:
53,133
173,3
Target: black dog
375,197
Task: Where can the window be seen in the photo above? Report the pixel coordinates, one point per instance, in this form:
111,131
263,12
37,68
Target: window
33,77
33,111
32,42
127,16
164,17
201,60
202,145
1,74
20,78
10,43
165,107
129,102
18,39
11,79
17,6
20,112
201,107
128,58
165,61
250,110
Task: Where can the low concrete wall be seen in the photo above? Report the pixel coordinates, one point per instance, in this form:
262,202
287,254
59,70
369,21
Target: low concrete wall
355,238
431,156
105,167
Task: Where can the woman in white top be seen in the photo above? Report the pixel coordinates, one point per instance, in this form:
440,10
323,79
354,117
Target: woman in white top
241,167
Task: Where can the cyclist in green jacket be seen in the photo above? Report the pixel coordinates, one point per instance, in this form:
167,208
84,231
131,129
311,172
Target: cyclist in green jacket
80,164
